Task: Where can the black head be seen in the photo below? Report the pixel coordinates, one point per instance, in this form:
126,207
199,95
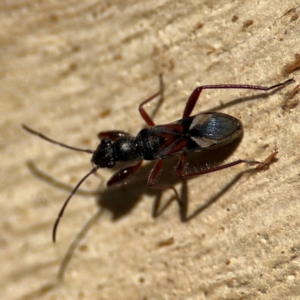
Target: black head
104,155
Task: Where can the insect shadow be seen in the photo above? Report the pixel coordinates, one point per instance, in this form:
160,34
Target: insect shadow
115,201
121,200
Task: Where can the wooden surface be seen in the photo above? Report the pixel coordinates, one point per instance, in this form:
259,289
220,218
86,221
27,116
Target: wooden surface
72,68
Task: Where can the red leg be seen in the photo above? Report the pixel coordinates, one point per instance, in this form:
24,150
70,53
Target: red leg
142,111
112,134
196,93
153,175
123,174
182,164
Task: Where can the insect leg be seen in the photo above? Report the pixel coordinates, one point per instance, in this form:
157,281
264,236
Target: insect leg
180,171
142,111
196,93
153,175
112,134
123,174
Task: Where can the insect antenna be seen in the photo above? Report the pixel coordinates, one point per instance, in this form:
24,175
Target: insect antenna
42,136
61,212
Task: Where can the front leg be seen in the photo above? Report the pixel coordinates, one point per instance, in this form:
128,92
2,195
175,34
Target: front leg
123,174
142,111
112,134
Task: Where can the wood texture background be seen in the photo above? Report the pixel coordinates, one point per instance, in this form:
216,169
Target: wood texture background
73,68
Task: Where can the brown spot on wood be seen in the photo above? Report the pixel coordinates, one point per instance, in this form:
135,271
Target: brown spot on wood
234,18
268,160
294,17
166,242
105,113
291,67
248,23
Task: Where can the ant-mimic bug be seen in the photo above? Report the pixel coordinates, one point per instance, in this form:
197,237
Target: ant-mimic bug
209,130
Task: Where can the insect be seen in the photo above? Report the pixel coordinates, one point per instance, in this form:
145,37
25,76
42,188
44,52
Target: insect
208,130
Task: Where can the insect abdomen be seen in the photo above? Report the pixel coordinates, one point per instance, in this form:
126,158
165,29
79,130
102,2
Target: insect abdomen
211,130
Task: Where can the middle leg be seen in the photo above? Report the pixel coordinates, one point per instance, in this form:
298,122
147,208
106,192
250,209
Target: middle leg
153,176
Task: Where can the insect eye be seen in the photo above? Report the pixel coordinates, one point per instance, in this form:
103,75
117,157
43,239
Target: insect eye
104,154
106,142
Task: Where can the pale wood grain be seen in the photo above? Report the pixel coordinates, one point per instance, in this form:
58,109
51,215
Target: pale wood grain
73,68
